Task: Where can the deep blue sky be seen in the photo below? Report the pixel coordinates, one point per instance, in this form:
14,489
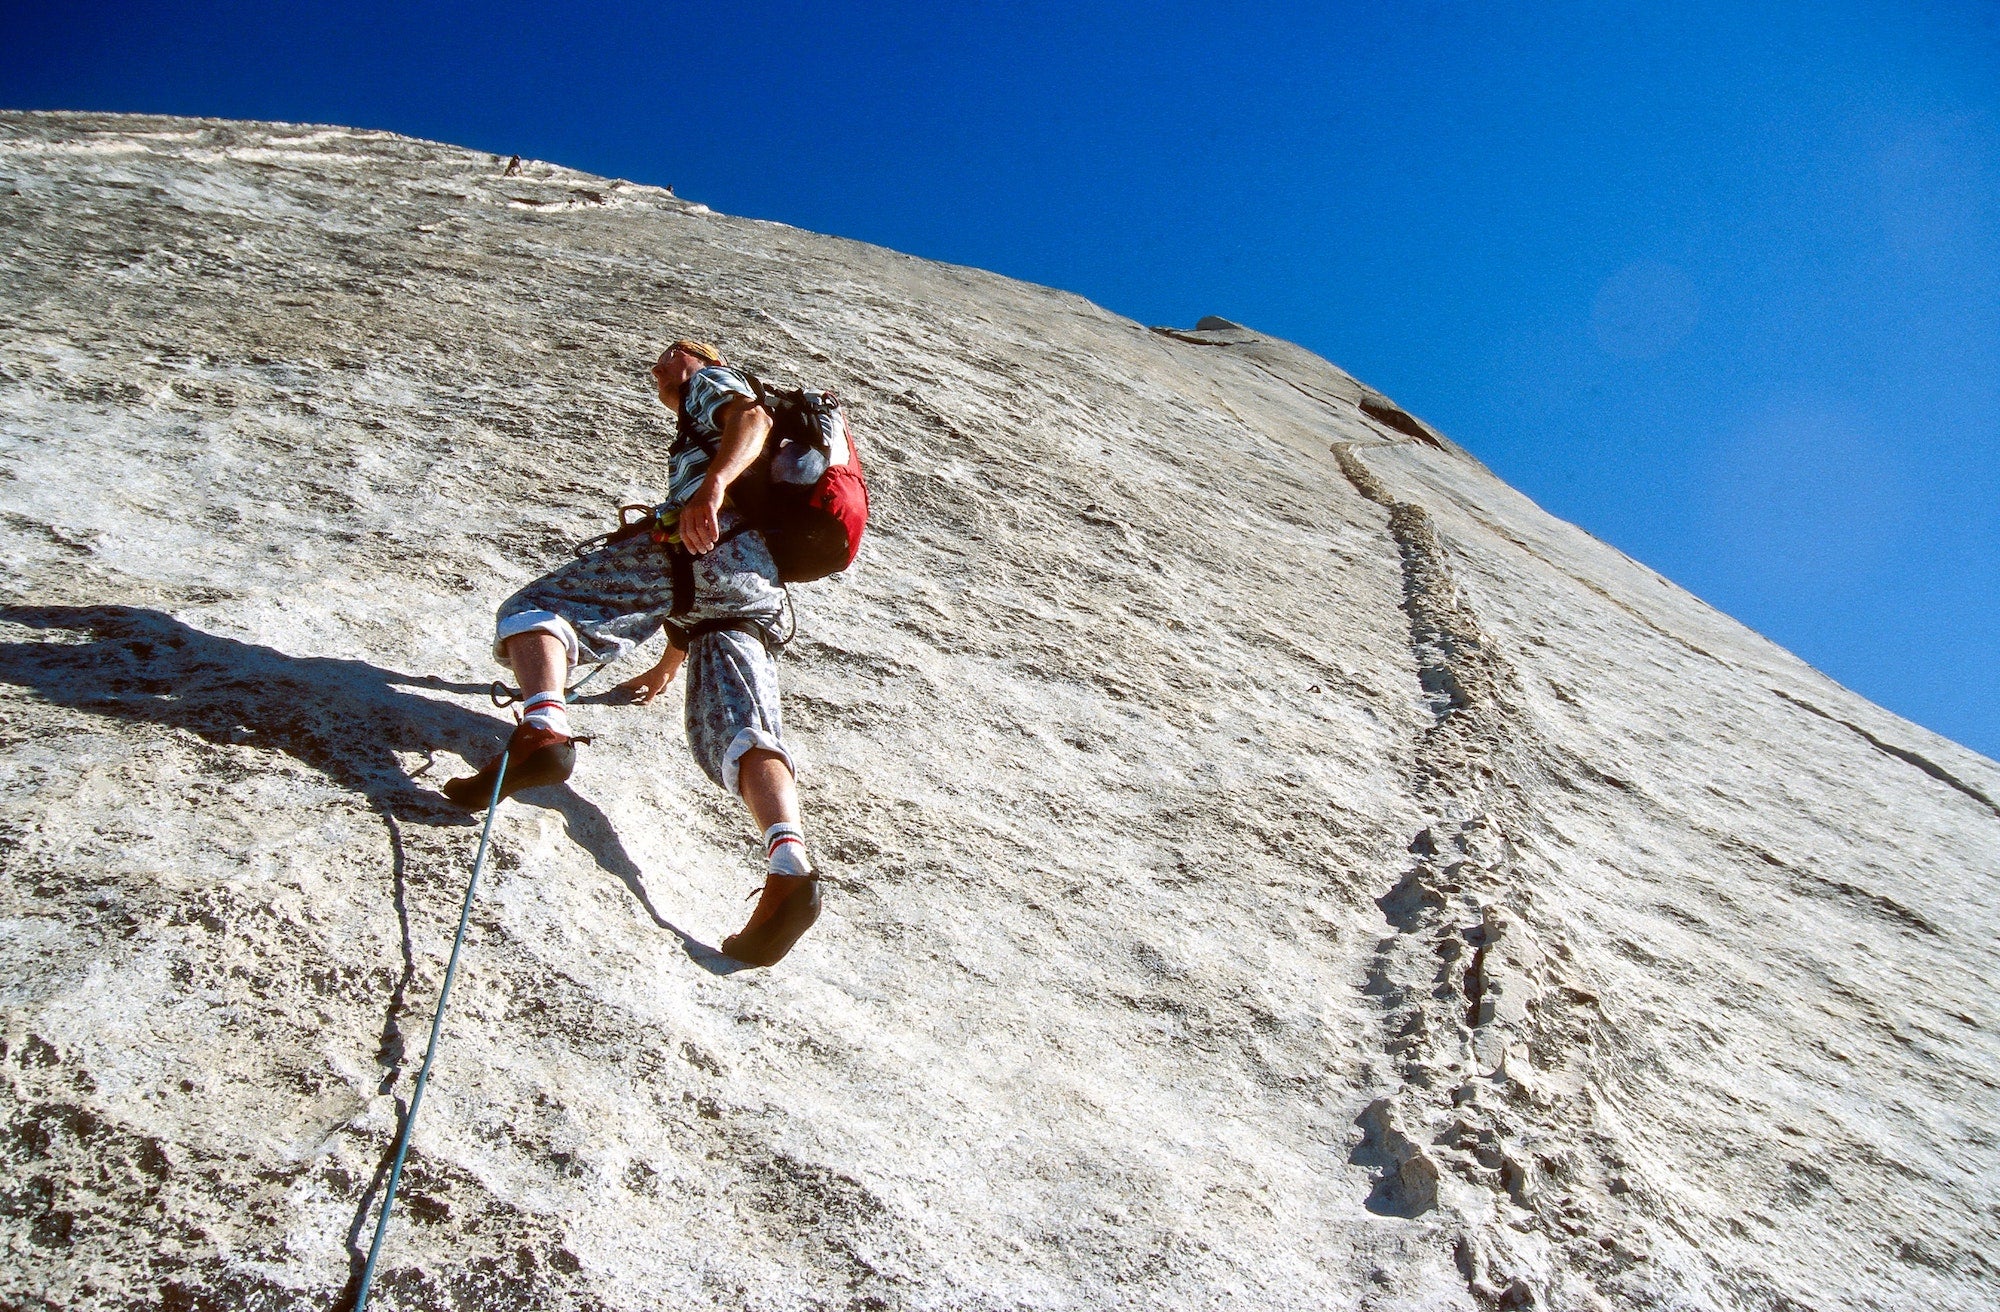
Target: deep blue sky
1719,282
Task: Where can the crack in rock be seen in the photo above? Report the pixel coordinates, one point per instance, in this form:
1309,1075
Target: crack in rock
1903,754
1453,667
1484,1027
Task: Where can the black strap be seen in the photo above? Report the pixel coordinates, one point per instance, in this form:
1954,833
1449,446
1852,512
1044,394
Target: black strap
684,634
681,565
687,435
680,561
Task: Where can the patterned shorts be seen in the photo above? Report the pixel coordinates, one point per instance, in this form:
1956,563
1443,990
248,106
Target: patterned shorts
602,605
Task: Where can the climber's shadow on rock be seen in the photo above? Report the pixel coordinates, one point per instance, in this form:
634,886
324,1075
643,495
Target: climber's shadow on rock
346,719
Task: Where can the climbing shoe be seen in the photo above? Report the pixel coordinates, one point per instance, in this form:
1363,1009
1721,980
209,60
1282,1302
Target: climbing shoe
790,905
536,757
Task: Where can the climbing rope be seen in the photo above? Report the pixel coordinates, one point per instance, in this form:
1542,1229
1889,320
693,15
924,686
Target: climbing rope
437,1027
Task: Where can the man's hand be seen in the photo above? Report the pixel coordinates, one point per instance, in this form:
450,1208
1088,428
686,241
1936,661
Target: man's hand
700,519
642,688
744,428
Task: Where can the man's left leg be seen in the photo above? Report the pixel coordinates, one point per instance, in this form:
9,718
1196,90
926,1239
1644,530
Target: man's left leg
772,795
735,728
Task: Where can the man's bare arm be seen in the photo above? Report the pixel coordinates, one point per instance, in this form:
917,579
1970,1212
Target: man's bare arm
642,688
744,427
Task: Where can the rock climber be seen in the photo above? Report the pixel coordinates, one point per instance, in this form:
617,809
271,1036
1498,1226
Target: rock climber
596,608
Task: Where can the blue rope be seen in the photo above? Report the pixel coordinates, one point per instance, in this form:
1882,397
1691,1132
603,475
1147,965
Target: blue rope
596,670
437,1026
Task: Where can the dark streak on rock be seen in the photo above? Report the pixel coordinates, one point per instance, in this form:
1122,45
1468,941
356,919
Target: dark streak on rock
1903,754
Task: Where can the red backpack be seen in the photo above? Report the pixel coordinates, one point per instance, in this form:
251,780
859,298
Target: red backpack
807,492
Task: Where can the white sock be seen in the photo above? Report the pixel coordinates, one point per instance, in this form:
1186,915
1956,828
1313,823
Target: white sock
545,711
785,843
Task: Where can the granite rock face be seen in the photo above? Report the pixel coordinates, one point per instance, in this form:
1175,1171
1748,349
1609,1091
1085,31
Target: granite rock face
1274,864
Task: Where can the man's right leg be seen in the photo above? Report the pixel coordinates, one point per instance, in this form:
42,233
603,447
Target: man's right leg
541,667
541,751
618,594
539,661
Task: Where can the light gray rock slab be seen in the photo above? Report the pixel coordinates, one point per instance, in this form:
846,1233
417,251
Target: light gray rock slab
1275,864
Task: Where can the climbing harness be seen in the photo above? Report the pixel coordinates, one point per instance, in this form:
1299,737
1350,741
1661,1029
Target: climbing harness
769,633
437,1027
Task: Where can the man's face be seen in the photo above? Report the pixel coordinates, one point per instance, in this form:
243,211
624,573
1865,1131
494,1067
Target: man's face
670,372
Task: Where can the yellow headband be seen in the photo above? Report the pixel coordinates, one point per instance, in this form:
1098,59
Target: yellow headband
699,350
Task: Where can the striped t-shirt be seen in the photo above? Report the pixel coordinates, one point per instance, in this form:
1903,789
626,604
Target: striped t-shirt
706,393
